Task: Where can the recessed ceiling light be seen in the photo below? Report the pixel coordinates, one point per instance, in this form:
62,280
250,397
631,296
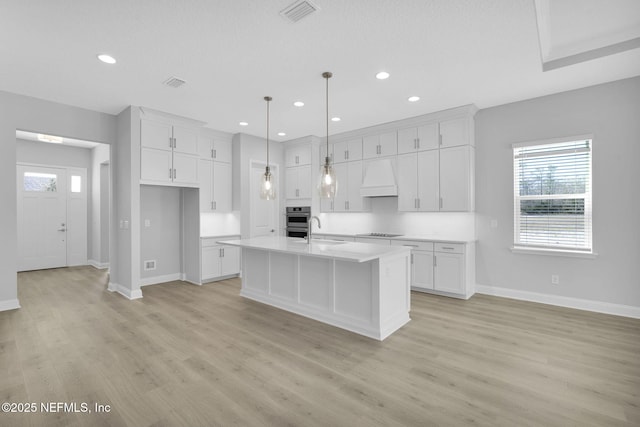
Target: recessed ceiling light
299,104
243,124
282,134
107,59
50,138
382,75
335,119
413,99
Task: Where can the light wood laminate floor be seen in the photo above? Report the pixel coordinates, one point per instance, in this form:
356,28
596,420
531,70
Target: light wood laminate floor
204,356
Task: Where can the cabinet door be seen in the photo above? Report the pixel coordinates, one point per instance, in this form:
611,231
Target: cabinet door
230,261
297,155
408,182
455,170
205,147
341,151
155,134
205,178
355,202
428,181
210,262
407,140
304,155
428,137
449,272
222,151
185,169
291,183
370,146
342,195
454,132
389,144
221,187
354,149
156,165
304,182
185,140
326,205
422,269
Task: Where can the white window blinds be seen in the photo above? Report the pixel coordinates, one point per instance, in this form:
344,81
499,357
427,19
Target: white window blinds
552,195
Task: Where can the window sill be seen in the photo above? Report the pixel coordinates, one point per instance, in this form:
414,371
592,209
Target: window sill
553,252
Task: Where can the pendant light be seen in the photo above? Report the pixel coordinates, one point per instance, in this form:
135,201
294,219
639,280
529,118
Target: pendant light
267,187
327,184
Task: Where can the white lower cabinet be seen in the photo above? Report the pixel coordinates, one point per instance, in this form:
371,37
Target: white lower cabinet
218,261
442,268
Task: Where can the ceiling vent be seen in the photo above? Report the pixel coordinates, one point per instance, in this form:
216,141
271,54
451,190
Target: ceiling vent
298,10
174,82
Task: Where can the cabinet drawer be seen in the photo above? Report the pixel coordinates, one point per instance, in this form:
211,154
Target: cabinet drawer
456,248
414,245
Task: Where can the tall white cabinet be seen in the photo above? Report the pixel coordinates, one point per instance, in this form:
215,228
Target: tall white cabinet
298,182
215,173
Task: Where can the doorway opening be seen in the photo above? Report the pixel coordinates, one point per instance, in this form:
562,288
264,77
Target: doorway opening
63,201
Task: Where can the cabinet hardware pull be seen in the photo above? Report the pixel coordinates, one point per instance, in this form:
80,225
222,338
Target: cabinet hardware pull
448,248
435,263
222,252
418,143
170,173
175,175
170,142
440,202
415,143
212,153
418,203
211,205
411,258
215,205
440,139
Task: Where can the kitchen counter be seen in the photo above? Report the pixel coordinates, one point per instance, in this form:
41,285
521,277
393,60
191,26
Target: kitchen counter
360,287
344,251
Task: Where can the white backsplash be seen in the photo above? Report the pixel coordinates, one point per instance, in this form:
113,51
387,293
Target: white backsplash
385,218
219,224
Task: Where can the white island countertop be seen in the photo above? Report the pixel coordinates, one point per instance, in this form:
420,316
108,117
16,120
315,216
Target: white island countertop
345,251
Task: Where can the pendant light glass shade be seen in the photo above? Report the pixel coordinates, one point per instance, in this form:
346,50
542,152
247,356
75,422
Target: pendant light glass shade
327,183
267,187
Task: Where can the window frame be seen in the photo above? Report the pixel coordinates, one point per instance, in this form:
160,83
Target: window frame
562,250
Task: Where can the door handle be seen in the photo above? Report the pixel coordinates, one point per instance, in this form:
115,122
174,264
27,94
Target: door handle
62,229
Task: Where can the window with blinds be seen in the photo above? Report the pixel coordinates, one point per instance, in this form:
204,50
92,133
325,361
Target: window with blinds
552,195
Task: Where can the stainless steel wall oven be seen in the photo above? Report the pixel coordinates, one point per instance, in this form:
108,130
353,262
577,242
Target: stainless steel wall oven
298,221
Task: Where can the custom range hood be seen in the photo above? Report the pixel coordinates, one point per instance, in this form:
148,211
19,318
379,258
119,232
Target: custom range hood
379,179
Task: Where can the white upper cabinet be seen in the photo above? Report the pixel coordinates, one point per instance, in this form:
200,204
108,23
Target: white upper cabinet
298,182
169,154
185,140
346,151
418,179
297,155
214,148
380,145
456,179
215,186
455,132
156,135
424,137
348,198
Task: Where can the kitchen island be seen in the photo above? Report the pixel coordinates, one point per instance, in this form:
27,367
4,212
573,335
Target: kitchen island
360,287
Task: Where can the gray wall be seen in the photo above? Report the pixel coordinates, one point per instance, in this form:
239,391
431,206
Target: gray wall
611,112
162,241
54,155
99,205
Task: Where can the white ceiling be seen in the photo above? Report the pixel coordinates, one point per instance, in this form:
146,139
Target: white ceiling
234,52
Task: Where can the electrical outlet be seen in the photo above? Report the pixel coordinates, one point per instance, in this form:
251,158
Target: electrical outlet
150,265
555,279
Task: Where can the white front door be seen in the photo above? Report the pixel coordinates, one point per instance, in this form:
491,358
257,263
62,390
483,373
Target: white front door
264,213
52,217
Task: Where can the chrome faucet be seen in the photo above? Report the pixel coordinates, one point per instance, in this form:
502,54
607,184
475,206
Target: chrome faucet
309,234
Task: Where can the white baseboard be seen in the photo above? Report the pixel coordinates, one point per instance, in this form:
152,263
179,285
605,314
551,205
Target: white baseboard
124,291
98,265
580,304
160,279
9,304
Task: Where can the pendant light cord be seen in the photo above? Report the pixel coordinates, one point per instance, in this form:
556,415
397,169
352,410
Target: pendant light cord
327,75
268,99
